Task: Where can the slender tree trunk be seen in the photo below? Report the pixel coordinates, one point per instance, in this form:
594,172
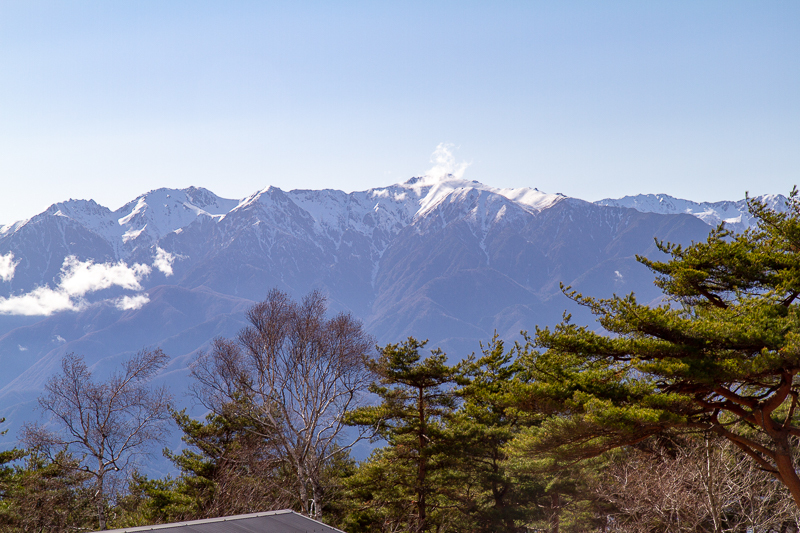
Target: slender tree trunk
316,503
101,507
302,486
710,489
421,467
555,516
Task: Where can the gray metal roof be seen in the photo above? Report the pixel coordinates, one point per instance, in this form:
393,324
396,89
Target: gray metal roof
269,522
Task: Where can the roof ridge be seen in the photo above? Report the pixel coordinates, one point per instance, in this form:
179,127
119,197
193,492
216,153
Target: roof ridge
190,523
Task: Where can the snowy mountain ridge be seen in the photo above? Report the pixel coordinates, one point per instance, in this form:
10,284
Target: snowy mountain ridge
143,221
151,216
734,213
366,222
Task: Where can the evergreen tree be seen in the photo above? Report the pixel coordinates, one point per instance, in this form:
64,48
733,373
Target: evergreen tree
401,485
41,495
491,496
720,354
228,469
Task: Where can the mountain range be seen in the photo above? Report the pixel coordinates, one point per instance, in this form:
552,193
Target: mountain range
436,257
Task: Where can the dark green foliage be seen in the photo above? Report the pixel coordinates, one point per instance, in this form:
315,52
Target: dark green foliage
491,497
596,430
400,486
557,499
156,501
228,469
720,355
445,466
40,495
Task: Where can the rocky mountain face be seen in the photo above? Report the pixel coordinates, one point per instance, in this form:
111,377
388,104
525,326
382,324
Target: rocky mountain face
442,258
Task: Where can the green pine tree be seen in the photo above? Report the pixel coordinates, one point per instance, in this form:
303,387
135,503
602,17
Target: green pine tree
43,495
400,486
492,498
720,354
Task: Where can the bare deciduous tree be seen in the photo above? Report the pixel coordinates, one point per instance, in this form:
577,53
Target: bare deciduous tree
106,423
652,491
700,485
757,500
293,374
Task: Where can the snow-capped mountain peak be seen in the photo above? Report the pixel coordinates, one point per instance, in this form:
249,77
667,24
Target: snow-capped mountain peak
532,200
162,211
433,190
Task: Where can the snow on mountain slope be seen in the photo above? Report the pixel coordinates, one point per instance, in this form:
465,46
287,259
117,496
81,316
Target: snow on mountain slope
157,213
89,214
382,212
436,256
273,212
385,210
533,200
431,191
86,213
734,214
378,211
482,208
139,224
351,230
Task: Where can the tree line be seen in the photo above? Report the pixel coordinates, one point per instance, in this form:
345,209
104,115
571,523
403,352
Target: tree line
677,416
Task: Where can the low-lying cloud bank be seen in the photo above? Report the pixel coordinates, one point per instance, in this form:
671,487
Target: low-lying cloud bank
78,279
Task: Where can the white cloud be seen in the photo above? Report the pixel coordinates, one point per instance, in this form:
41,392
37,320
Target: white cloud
40,301
59,339
618,276
127,303
78,278
163,261
7,266
22,348
444,163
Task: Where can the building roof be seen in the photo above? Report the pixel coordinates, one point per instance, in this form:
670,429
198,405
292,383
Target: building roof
269,522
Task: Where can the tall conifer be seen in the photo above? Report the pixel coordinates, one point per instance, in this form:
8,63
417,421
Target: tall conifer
402,483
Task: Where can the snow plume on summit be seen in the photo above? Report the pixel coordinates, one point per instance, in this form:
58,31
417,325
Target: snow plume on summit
79,278
444,163
446,178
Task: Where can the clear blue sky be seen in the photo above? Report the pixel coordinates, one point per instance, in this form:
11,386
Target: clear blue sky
109,99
